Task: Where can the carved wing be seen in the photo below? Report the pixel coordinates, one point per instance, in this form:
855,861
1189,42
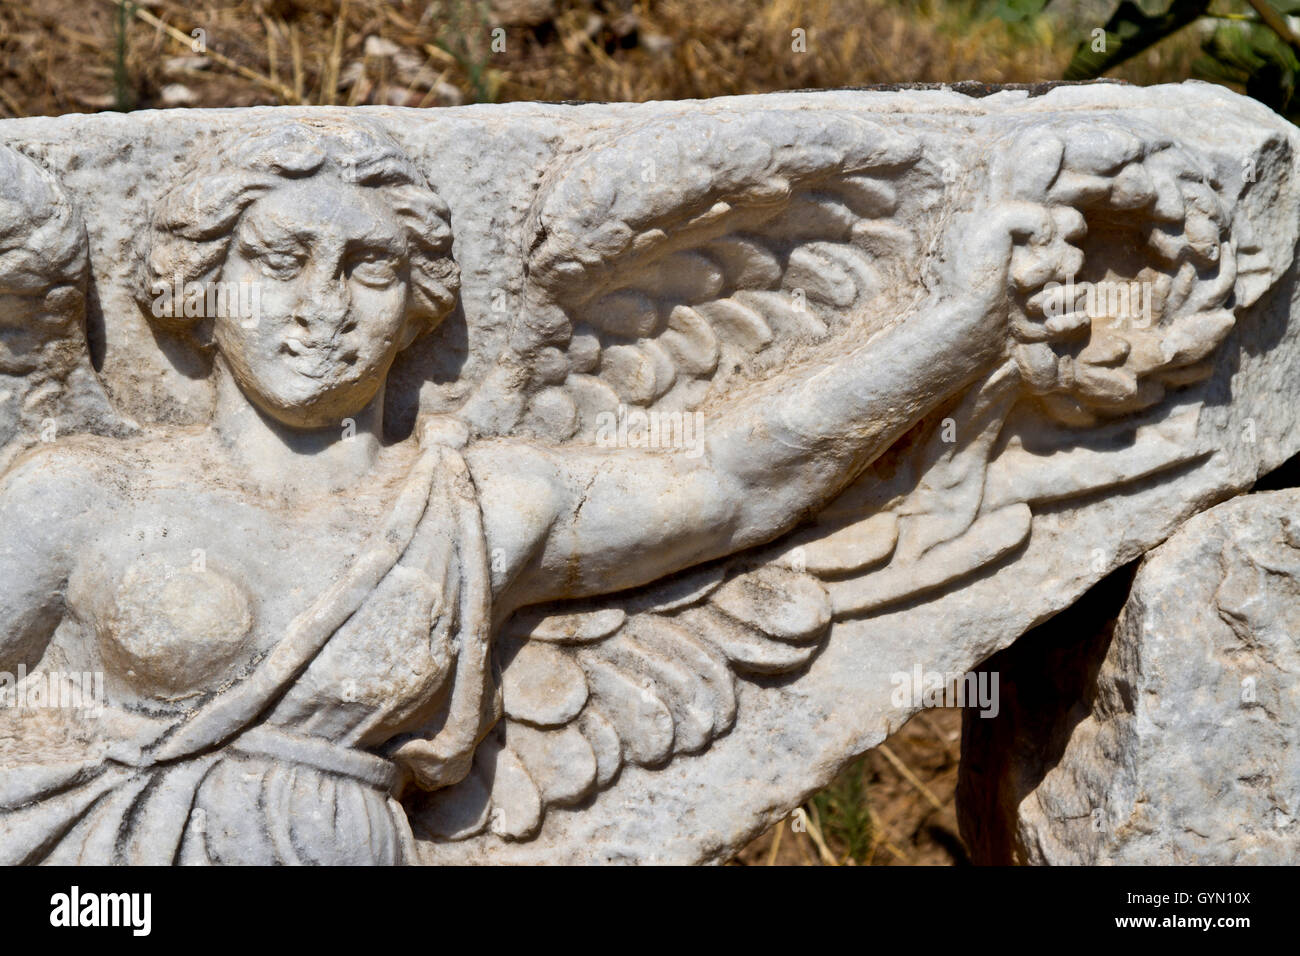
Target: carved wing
589,689
666,264
649,296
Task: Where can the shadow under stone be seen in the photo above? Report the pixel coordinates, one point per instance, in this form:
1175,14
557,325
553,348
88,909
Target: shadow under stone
1047,681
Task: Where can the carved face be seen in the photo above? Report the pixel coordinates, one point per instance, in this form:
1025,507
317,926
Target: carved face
329,263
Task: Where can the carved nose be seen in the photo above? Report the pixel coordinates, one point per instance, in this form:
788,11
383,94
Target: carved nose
323,304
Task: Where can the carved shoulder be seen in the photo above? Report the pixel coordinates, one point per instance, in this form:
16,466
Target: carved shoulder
49,500
520,490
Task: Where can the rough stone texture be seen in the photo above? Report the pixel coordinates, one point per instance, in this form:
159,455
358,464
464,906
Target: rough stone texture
1046,681
586,474
1182,749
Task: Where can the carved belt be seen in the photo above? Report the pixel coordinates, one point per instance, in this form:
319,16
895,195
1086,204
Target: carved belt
320,754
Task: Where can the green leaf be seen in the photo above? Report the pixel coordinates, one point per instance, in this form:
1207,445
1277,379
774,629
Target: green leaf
844,809
1127,33
1016,11
1255,59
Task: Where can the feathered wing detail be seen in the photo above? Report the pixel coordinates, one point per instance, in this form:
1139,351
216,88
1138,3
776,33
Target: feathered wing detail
669,262
647,296
587,689
667,265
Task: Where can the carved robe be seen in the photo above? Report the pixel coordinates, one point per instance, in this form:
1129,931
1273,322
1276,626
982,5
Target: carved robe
283,766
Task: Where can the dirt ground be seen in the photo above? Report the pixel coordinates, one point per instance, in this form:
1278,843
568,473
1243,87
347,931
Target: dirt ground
61,56
895,805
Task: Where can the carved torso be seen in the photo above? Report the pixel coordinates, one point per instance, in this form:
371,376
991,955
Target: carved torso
214,579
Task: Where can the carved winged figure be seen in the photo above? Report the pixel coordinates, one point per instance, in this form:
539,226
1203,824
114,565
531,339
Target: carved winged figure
337,648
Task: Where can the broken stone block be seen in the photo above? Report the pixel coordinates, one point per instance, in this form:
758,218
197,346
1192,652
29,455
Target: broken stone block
1181,748
586,483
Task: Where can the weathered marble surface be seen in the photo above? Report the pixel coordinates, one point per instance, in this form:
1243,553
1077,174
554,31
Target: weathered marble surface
1183,749
390,546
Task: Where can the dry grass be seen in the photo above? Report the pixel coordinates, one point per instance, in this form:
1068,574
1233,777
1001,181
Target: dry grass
59,56
895,805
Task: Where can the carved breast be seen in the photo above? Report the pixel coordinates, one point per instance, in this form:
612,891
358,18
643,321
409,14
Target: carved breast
172,629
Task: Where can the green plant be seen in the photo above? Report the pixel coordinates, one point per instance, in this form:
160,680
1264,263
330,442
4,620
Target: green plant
1018,11
123,89
1258,60
844,811
1129,32
466,35
1252,46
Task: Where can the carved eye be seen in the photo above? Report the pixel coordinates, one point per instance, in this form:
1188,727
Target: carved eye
374,267
281,265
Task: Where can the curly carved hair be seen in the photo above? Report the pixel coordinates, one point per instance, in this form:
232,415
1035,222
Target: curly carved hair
194,221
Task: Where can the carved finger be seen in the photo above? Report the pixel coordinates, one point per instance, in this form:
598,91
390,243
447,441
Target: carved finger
1026,329
1055,299
1038,364
1105,350
1196,336
1067,324
1212,292
1108,384
1032,268
1168,242
1069,223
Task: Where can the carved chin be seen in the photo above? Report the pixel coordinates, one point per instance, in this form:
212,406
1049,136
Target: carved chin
303,402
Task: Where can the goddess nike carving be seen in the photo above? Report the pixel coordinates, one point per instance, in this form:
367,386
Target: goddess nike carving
332,647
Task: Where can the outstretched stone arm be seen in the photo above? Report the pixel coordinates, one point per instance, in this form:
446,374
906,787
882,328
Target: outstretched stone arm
578,523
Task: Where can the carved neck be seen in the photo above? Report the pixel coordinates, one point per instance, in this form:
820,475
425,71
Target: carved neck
280,458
